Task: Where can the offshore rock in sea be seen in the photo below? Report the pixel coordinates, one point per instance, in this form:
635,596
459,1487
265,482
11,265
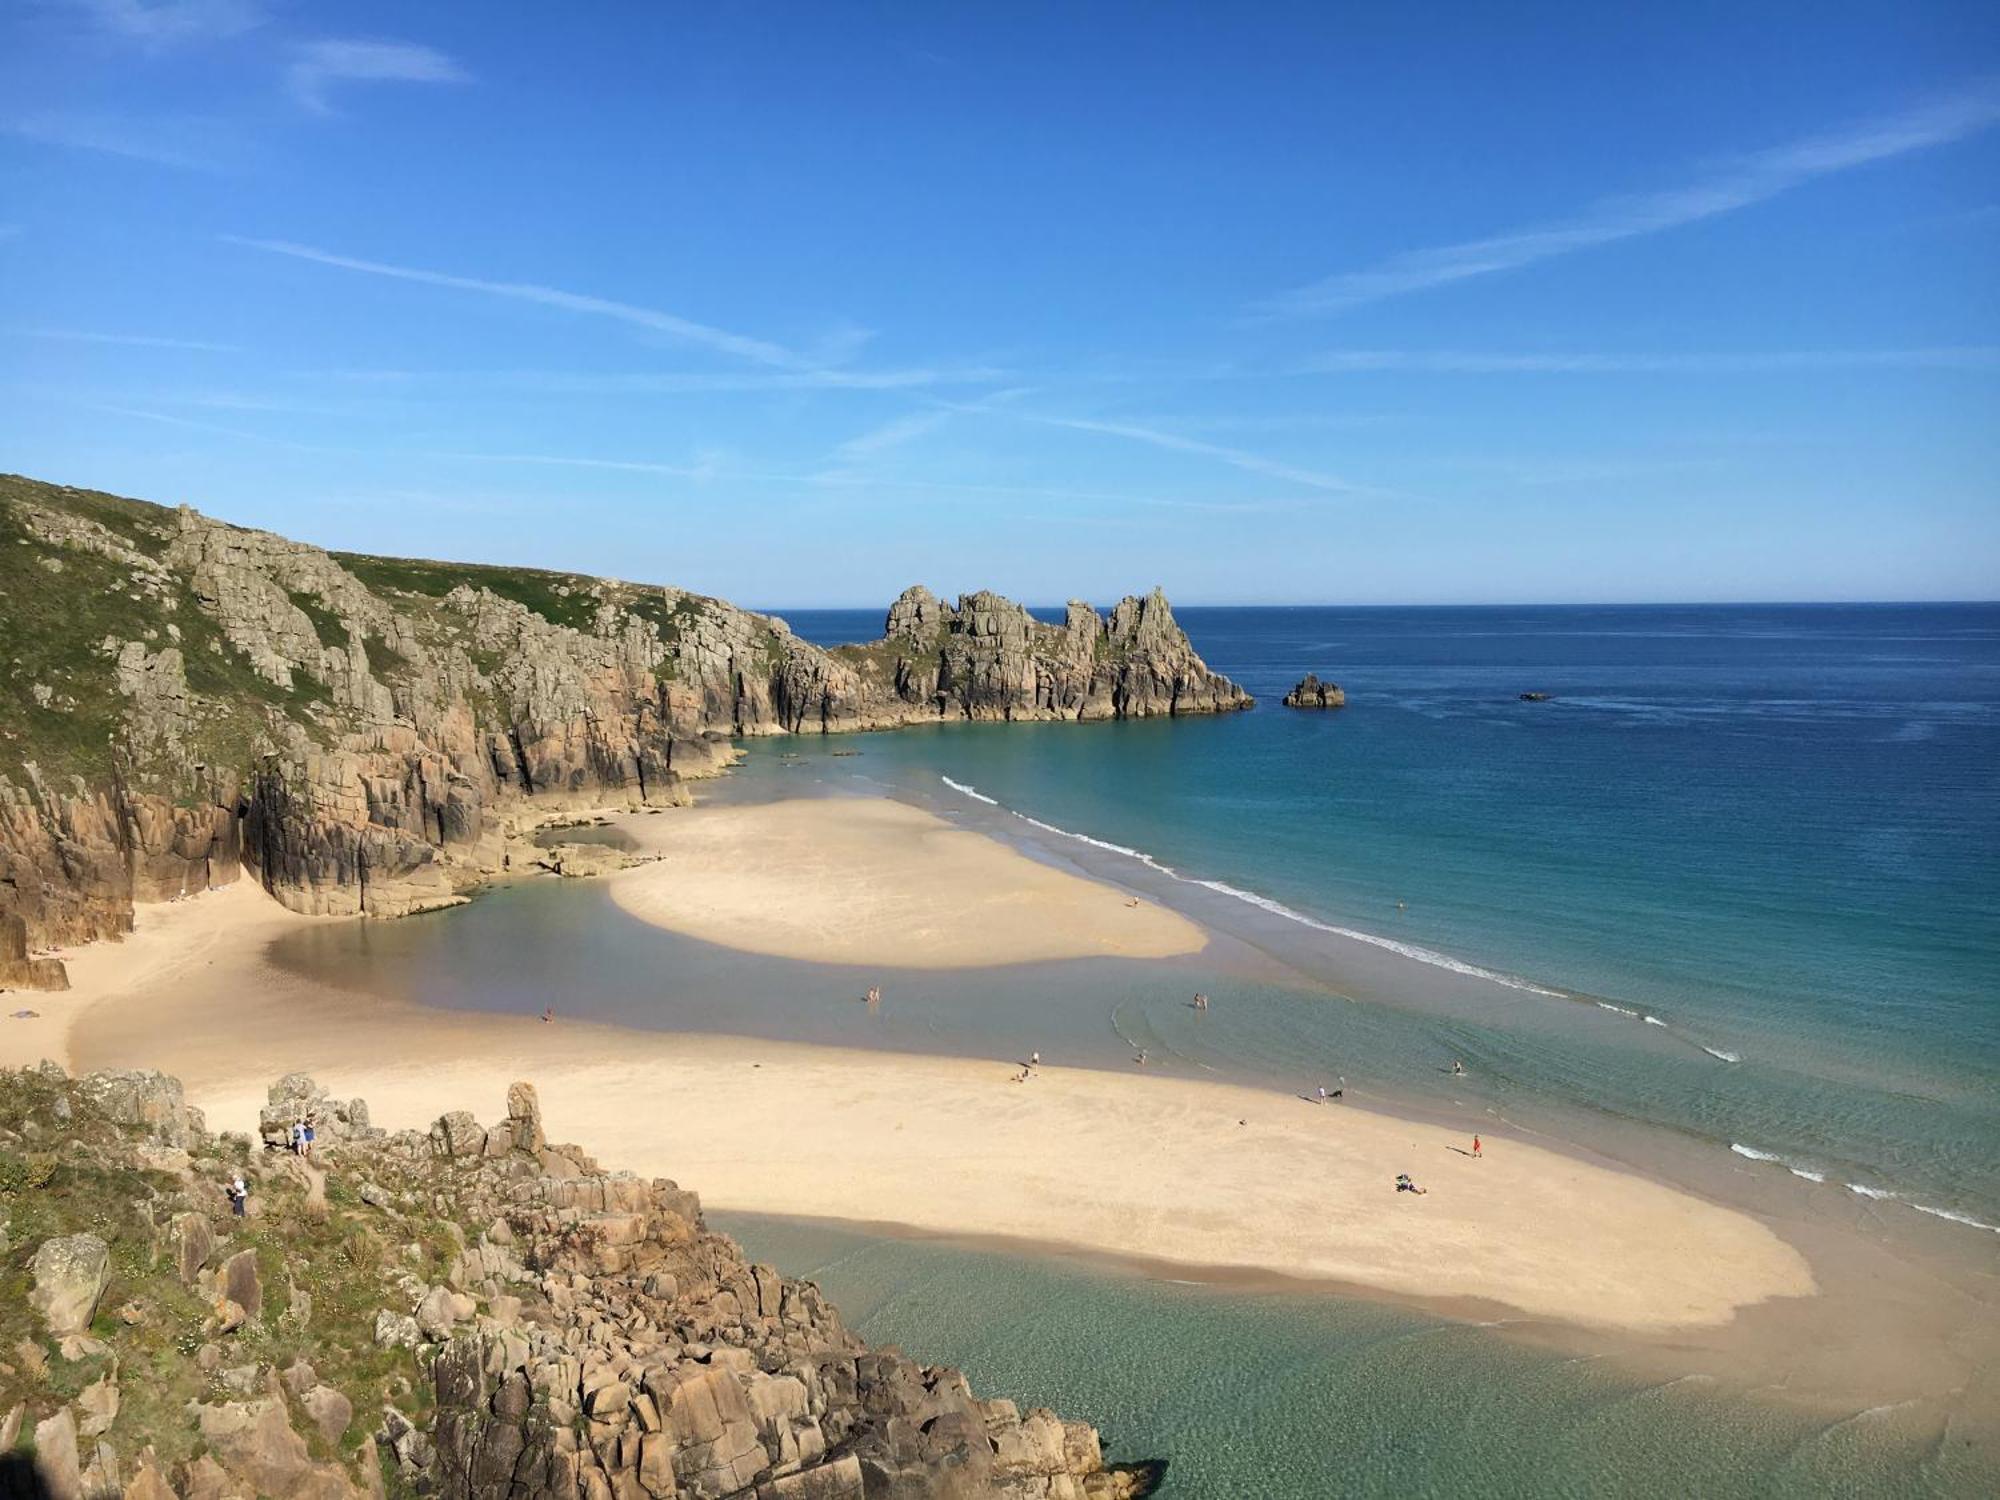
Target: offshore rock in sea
1312,693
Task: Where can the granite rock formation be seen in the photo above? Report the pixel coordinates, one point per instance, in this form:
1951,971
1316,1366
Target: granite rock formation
1312,693
192,700
470,1312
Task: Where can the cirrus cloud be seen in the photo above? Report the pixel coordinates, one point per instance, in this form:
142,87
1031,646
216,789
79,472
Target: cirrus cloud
317,66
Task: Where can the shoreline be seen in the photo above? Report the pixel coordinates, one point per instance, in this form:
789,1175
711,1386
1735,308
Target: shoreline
1073,1155
231,1021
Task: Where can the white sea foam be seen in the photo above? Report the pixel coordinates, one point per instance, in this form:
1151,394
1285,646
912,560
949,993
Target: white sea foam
1083,838
971,791
1654,1021
1623,1010
1730,1057
1759,1155
1869,1192
1956,1218
1277,908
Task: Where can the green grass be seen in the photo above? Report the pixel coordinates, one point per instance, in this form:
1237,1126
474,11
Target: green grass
564,599
51,632
139,523
384,660
326,624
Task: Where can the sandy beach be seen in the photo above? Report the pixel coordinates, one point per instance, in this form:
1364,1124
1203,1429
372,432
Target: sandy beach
867,880
1136,1166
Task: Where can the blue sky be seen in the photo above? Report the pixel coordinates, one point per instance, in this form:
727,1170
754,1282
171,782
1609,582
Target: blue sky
798,304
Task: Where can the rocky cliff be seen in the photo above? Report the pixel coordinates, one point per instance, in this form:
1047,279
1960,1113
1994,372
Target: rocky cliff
186,699
474,1313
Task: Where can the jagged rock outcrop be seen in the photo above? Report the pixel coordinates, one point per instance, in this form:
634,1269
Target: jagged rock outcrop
988,658
365,734
1312,693
470,1312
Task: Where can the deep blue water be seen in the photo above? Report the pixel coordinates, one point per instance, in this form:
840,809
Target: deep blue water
1774,829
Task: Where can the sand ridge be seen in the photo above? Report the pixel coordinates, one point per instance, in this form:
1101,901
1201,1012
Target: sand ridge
866,880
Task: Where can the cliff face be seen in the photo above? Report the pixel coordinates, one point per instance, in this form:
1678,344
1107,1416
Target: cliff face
186,699
475,1313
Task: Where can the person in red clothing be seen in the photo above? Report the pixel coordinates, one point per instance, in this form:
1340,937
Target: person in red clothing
1475,1145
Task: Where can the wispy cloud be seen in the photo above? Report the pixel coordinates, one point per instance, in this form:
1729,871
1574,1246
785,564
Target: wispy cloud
171,21
317,66
757,351
676,383
1726,187
717,471
891,434
1253,463
167,419
1463,362
141,340
197,145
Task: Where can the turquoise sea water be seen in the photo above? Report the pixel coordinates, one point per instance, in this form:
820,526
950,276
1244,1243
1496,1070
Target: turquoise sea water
1272,1397
1776,830
1773,831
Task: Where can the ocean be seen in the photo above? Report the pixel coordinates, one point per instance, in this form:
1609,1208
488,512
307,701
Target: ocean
1722,907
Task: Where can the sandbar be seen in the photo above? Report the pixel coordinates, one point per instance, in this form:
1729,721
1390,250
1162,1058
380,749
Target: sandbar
865,880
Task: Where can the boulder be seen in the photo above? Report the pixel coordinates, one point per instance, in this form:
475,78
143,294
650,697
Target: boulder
397,1330
56,1462
441,1309
148,1100
241,1284
70,1273
98,1402
147,1482
1312,693
254,1441
331,1412
194,1242
458,1134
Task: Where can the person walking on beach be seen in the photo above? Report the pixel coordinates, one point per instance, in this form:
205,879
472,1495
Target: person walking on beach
1034,1059
1322,1093
1475,1148
548,1014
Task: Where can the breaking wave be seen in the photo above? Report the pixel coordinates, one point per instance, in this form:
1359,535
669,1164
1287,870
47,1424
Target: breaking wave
1956,1218
1264,903
971,791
